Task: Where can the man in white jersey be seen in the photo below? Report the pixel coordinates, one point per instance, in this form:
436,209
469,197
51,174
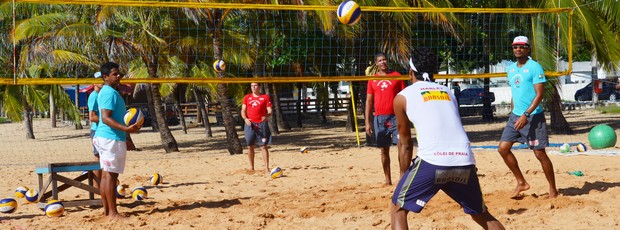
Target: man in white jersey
444,159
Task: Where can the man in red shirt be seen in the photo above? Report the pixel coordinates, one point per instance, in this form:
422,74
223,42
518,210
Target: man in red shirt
256,110
382,93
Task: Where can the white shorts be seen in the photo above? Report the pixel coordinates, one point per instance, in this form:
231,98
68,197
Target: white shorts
112,154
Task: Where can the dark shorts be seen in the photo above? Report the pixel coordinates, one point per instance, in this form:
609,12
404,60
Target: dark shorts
534,134
92,134
257,134
423,180
386,131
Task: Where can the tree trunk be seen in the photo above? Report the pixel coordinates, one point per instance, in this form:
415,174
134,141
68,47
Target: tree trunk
167,140
52,108
558,123
273,124
203,111
177,104
277,110
28,119
232,139
298,105
149,106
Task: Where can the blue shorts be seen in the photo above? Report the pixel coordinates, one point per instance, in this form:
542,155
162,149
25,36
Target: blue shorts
534,134
423,180
257,133
92,134
386,131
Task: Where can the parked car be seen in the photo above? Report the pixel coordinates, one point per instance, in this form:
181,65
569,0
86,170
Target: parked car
609,92
474,96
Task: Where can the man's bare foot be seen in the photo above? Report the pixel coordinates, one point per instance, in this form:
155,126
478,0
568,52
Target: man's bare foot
117,217
553,194
520,188
387,183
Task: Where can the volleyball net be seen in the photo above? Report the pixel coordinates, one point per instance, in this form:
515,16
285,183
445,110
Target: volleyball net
64,42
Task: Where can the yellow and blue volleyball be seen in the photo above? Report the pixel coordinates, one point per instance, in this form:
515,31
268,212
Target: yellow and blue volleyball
8,205
32,196
304,150
20,192
54,208
133,116
219,66
139,193
156,179
120,191
581,147
349,12
276,172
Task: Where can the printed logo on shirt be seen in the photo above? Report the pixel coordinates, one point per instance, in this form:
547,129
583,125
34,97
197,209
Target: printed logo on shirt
384,84
435,95
540,76
517,80
255,102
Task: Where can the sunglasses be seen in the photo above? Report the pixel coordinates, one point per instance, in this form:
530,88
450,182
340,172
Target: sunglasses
521,47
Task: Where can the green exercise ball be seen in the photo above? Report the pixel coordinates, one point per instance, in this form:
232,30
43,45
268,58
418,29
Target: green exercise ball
602,136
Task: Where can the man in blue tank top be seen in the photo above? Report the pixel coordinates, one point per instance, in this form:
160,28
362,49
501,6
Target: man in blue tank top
526,123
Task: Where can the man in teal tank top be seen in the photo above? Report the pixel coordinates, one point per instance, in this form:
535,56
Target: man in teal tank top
527,123
110,137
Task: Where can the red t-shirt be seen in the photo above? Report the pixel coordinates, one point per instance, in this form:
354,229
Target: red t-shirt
256,107
384,92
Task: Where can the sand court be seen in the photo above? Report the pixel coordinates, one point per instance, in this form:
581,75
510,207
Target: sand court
335,186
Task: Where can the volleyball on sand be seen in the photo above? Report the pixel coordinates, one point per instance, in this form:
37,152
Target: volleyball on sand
156,179
304,150
139,193
8,205
276,172
565,148
32,196
120,191
20,192
349,13
54,208
133,116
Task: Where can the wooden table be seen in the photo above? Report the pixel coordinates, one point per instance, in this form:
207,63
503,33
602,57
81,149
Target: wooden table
55,168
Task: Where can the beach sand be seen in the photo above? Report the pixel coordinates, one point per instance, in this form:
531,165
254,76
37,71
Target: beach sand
337,185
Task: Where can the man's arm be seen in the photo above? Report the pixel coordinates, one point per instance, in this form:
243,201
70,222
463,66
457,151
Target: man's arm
244,115
405,144
367,113
92,116
269,113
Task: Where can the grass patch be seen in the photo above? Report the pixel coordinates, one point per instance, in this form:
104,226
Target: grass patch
609,109
4,120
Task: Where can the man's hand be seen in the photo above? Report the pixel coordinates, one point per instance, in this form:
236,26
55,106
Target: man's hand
134,128
368,129
521,122
247,122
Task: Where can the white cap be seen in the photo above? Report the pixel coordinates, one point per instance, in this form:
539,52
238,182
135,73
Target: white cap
97,74
521,40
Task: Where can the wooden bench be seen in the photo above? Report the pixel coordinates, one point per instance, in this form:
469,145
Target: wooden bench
55,168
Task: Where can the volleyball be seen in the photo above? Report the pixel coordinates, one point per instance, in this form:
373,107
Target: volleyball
133,116
32,195
120,191
565,148
8,205
20,191
219,66
54,208
304,150
139,193
349,12
581,147
156,179
276,172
